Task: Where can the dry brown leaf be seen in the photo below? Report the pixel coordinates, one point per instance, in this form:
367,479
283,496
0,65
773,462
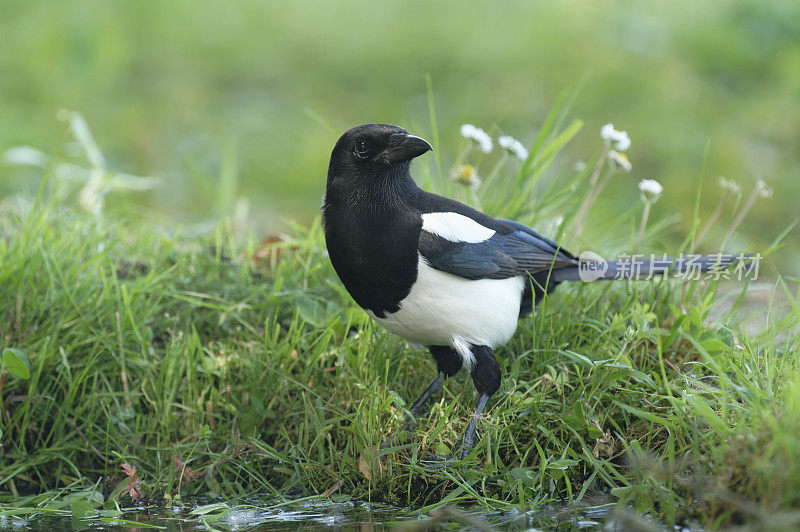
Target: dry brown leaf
604,445
270,249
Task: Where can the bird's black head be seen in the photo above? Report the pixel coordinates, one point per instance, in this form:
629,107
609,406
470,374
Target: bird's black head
373,152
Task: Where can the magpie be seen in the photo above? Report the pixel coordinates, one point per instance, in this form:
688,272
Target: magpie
432,270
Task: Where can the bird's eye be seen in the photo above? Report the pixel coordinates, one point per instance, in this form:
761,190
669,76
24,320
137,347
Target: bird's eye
361,149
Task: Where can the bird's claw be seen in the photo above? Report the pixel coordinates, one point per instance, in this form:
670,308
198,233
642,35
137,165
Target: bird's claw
435,461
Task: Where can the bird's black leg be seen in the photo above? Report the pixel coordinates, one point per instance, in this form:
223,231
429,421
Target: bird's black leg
448,362
416,409
418,405
486,377
468,441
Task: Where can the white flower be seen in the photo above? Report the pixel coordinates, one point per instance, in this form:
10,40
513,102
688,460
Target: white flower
607,131
513,146
479,136
619,160
650,189
619,140
763,189
623,141
580,166
729,184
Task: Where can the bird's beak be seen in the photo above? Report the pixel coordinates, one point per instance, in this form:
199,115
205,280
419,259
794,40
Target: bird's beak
403,148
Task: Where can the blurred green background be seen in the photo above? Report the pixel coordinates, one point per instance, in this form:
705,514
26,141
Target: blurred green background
174,89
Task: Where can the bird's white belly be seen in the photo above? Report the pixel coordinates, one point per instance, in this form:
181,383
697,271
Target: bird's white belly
444,309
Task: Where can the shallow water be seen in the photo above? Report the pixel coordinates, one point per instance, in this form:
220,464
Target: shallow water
595,512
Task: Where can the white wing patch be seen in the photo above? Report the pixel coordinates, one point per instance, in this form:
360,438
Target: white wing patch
455,227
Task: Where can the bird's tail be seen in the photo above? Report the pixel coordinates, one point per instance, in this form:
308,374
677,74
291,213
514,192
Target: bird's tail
592,267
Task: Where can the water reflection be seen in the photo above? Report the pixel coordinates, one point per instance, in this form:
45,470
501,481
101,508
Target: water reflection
594,512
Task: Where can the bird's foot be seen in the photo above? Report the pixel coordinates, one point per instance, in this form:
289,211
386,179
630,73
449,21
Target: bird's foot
435,461
464,446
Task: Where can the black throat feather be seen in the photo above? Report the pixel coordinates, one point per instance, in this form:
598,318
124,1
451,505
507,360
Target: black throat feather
372,231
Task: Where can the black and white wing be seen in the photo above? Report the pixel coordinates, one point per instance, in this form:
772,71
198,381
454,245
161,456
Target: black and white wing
458,244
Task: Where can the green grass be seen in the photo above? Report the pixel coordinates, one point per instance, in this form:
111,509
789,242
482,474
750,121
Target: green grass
220,365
